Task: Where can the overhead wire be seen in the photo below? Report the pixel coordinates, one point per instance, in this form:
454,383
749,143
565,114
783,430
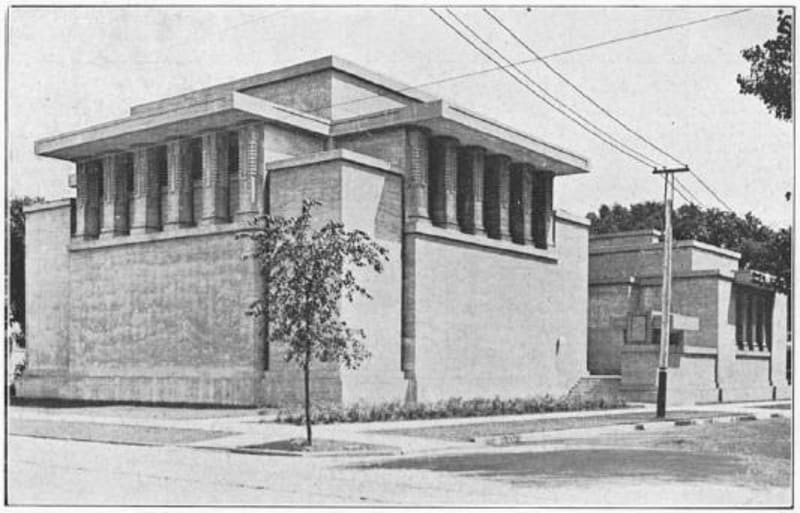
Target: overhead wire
460,34
591,100
560,53
535,93
548,94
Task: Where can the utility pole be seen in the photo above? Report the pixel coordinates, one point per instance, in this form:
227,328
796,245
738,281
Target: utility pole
666,288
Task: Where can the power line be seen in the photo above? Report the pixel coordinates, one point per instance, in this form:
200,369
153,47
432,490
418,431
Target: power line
526,86
686,189
604,110
549,95
560,53
710,189
569,82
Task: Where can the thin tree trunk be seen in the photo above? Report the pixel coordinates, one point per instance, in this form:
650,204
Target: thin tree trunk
306,372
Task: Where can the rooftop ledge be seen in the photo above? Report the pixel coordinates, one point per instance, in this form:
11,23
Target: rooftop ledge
233,108
635,247
442,118
229,109
304,68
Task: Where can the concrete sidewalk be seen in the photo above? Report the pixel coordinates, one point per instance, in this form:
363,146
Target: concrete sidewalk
256,429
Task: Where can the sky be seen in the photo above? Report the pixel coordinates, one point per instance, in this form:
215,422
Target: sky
69,68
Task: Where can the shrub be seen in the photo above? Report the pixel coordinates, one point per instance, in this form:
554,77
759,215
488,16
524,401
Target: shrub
449,408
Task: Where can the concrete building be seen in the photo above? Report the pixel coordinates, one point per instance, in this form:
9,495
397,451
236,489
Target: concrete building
137,290
728,330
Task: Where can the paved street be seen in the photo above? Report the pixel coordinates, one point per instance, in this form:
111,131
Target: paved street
43,471
598,469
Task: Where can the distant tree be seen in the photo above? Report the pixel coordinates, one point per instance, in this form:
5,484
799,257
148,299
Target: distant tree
762,248
770,75
307,274
15,267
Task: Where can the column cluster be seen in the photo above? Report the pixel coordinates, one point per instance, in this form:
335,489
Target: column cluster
753,320
464,188
210,179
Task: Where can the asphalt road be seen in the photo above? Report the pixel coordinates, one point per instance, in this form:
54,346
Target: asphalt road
47,471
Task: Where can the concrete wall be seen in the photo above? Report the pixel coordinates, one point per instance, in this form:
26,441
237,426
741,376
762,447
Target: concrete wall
690,378
388,145
708,365
283,381
355,97
47,235
370,200
308,93
693,297
330,94
282,143
617,264
609,307
705,257
373,203
162,321
492,323
779,343
751,375
646,258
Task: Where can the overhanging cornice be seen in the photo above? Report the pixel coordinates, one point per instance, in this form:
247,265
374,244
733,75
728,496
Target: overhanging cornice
228,109
469,128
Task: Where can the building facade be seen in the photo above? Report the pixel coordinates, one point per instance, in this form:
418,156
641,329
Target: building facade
137,290
728,329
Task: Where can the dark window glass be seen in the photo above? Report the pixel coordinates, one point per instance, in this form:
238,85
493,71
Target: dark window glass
196,158
233,154
160,162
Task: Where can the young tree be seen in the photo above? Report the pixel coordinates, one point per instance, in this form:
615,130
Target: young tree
307,273
770,75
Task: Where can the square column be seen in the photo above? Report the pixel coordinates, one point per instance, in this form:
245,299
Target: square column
496,196
215,178
471,161
442,189
179,185
251,162
520,210
94,192
146,193
87,201
417,173
81,189
542,208
527,205
115,195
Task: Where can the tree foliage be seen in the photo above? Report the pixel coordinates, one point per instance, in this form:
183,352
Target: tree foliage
15,267
763,248
770,76
307,274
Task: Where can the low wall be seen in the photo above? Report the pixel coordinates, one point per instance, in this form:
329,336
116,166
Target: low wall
690,375
493,322
156,317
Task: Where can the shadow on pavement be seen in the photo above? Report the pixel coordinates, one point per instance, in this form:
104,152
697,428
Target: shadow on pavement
531,467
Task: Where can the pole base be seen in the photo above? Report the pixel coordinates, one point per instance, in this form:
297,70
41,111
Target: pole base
661,394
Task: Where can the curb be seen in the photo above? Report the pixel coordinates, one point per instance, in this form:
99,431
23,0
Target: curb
321,454
518,438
